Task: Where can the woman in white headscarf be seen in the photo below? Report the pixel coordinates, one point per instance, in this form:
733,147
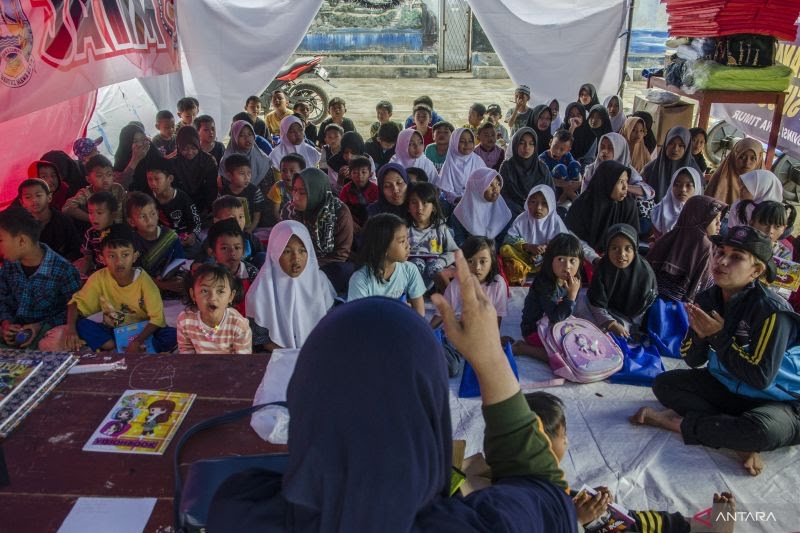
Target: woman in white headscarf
482,210
290,294
293,142
613,146
409,152
459,164
759,186
614,105
686,182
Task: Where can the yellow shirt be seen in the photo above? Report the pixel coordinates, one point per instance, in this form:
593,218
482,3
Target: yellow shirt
274,123
133,303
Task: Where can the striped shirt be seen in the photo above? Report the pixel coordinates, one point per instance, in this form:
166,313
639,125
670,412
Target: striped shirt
231,336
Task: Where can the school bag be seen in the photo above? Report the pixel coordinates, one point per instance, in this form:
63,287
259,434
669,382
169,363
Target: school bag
578,351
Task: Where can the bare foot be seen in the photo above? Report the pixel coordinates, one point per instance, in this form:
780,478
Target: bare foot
752,462
666,419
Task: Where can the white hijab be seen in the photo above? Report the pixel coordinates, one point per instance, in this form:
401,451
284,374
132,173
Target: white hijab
289,307
764,186
539,231
478,216
285,148
618,121
458,168
622,155
401,156
557,121
667,211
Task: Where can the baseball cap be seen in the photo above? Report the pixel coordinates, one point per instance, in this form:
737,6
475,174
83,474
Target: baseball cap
84,146
753,241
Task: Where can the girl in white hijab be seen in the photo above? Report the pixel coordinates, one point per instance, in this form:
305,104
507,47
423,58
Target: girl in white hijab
760,186
686,182
293,142
614,105
290,294
411,154
482,211
459,164
615,146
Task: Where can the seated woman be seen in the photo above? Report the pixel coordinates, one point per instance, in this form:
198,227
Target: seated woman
392,191
600,124
290,294
746,398
676,153
523,170
370,480
635,131
328,221
757,186
726,183
686,182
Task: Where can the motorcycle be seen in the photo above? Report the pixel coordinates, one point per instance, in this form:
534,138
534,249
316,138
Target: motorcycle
313,95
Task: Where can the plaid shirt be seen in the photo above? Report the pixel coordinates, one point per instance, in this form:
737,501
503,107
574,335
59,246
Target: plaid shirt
42,297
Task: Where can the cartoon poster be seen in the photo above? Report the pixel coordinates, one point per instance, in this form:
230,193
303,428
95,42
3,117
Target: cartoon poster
788,275
142,421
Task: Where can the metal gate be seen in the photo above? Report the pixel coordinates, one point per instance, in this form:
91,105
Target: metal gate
456,36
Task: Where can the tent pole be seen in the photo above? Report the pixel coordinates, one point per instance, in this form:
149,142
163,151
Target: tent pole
628,33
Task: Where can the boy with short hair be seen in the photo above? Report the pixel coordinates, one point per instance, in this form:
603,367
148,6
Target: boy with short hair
437,152
488,150
226,207
58,231
517,117
424,99
360,191
125,294
565,169
35,284
336,108
301,110
474,118
176,210
493,114
207,131
253,108
422,123
102,206
164,140
332,134
383,112
188,107
280,194
100,175
237,166
156,245
381,149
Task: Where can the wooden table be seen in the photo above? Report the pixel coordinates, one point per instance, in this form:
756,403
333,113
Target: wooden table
706,98
49,471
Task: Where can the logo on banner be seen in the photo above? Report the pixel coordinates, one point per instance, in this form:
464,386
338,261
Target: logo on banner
16,44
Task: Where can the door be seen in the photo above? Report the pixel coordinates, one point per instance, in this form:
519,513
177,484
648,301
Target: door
454,44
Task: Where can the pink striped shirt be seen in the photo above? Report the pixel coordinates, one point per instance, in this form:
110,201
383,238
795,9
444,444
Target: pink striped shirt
231,336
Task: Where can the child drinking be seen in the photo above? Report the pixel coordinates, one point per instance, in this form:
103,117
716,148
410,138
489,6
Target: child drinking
772,218
290,294
209,325
623,284
686,182
409,153
437,150
482,211
488,150
526,240
386,270
461,161
432,245
553,293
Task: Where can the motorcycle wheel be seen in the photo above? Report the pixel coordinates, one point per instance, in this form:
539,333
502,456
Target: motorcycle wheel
316,97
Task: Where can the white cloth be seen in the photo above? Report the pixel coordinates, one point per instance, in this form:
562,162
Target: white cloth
401,156
764,186
478,216
289,307
457,167
665,214
309,153
618,121
538,231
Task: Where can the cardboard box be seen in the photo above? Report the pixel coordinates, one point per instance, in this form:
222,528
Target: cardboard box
665,117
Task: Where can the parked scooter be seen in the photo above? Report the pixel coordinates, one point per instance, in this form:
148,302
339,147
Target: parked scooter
312,94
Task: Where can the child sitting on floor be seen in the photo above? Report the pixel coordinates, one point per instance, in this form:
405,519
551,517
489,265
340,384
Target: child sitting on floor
492,155
176,210
102,206
100,175
280,194
553,294
437,151
381,148
771,218
58,231
458,167
333,134
386,270
623,283
207,132
238,168
35,284
125,294
482,211
526,240
229,206
566,171
164,140
360,191
210,324
432,245
494,115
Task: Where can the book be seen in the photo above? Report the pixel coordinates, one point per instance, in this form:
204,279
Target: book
123,335
141,422
616,517
787,279
34,388
174,267
14,372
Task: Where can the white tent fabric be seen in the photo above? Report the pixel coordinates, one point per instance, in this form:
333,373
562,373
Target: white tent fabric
555,47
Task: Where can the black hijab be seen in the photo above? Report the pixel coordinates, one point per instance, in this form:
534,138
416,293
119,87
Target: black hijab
658,172
650,141
351,140
197,177
582,137
542,136
594,210
605,126
521,175
629,291
68,170
382,206
592,91
125,151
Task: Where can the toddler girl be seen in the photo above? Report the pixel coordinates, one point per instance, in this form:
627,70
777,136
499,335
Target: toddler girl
461,161
623,284
408,152
432,245
210,324
290,294
528,236
772,218
482,211
386,271
553,293
686,182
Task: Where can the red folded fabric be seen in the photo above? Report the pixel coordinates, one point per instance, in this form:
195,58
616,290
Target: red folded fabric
715,18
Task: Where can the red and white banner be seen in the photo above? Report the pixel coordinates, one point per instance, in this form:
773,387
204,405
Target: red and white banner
54,50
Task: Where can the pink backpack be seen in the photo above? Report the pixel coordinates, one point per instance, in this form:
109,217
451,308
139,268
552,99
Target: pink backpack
578,351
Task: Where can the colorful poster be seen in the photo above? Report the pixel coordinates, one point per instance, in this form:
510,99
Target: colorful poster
142,422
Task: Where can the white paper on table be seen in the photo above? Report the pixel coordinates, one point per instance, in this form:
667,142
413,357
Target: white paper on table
120,515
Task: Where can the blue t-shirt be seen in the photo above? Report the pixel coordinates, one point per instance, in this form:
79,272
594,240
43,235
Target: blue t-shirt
405,280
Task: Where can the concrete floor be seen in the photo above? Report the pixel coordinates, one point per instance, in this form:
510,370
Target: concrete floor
452,95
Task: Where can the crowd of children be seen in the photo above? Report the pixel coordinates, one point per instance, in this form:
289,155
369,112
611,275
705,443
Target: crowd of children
588,200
